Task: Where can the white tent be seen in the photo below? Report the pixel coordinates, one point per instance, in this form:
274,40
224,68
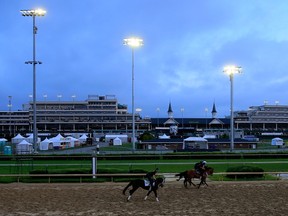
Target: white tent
83,138
44,145
277,141
195,143
59,136
17,139
73,141
31,139
3,141
57,141
209,136
117,141
24,147
164,136
123,137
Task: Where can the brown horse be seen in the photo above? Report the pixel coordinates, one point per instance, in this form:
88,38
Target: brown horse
188,175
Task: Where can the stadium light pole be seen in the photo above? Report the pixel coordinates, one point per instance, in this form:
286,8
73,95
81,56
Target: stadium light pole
230,70
10,107
33,13
158,110
182,111
206,110
133,42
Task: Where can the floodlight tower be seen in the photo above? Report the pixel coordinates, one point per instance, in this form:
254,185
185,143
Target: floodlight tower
230,70
133,42
33,13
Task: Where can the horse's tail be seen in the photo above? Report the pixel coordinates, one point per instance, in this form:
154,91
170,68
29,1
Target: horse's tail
124,190
181,175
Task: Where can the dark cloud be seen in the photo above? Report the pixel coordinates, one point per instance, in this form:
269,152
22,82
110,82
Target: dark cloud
186,45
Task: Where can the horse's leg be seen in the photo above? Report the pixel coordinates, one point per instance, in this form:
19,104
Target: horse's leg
155,193
203,181
185,182
131,192
190,181
149,191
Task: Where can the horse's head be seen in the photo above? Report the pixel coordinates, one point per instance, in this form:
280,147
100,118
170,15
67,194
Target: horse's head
209,170
160,182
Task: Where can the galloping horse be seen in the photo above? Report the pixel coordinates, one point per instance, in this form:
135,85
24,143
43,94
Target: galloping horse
188,175
159,182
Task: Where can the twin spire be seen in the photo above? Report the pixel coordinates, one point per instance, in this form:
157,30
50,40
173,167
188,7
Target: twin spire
170,111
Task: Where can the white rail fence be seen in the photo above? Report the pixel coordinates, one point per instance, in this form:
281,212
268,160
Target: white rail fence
168,176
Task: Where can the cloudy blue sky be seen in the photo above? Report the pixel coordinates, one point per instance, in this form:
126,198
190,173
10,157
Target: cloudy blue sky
186,45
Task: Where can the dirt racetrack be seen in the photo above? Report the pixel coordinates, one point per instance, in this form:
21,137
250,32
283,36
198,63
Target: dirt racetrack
220,198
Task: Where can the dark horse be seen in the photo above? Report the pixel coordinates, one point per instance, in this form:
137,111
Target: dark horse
188,175
159,182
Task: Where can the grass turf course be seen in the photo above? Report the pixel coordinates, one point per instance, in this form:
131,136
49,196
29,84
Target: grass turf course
165,166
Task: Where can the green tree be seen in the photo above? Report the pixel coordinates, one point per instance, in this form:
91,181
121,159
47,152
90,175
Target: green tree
146,136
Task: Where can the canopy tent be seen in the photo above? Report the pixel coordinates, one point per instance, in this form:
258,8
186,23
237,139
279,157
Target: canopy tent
31,139
57,141
17,139
117,141
164,136
24,147
59,136
209,136
61,142
83,138
123,137
277,141
3,141
46,144
73,141
195,143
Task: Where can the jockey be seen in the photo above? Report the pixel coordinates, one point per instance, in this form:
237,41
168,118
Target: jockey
151,177
200,167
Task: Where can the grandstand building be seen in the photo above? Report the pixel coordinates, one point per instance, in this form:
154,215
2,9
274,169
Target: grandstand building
105,115
265,118
98,114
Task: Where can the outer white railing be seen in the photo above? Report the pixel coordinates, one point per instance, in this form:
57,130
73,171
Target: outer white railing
168,176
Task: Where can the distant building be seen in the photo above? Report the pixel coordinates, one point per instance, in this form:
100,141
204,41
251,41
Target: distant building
265,118
105,115
97,114
192,144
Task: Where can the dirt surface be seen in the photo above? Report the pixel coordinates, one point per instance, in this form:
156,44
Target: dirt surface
220,198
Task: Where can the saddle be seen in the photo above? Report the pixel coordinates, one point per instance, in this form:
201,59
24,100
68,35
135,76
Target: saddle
197,172
147,183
